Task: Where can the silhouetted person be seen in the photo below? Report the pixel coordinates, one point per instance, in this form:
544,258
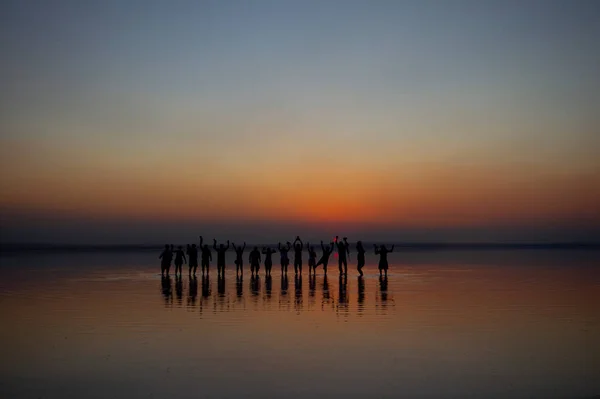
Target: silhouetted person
268,260
165,263
327,250
298,246
285,260
312,259
220,255
206,256
179,259
382,251
192,259
239,259
343,250
360,257
254,259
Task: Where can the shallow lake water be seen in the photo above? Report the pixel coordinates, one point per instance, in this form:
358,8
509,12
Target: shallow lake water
449,324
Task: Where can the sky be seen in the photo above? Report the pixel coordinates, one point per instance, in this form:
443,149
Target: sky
150,121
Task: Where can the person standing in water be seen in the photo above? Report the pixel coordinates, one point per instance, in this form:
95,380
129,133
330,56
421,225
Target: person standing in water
343,250
360,257
239,260
193,259
312,259
382,251
285,260
165,262
254,260
327,250
298,246
268,260
206,256
179,259
220,256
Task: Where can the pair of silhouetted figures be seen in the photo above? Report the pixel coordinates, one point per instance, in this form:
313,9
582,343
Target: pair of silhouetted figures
255,257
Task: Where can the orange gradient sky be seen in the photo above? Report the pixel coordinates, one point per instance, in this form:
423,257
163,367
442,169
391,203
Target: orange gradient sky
395,116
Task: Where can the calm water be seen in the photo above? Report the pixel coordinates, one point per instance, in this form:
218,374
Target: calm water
443,324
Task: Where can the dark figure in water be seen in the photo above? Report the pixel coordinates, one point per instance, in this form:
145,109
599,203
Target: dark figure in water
360,257
221,249
179,259
239,261
382,251
206,256
343,250
327,250
312,259
254,260
165,262
192,259
298,246
268,260
285,260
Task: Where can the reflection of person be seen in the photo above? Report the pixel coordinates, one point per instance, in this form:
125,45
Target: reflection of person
239,260
382,251
327,250
285,261
360,257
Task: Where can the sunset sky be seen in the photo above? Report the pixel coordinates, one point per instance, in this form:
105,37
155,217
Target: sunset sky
152,121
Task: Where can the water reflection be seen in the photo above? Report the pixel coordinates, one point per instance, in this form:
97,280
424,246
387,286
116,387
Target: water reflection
361,295
166,288
192,291
179,289
335,294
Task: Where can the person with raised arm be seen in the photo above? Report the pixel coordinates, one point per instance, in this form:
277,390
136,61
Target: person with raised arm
327,250
179,259
360,257
312,258
343,249
268,260
285,260
220,256
206,256
382,251
239,259
254,260
298,246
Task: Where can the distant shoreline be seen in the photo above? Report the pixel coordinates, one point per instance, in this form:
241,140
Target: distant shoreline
406,246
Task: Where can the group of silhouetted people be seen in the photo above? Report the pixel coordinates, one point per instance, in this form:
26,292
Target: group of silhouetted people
255,257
